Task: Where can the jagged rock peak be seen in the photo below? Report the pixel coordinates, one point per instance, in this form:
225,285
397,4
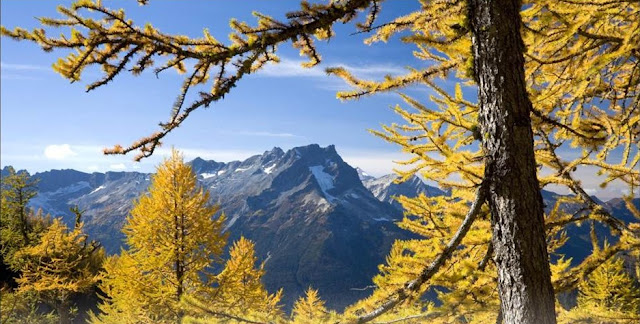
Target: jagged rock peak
200,165
364,176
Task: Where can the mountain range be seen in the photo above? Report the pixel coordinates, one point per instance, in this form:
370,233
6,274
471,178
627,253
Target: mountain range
316,220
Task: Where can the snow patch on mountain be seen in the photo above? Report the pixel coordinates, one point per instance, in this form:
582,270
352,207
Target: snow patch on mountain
241,169
318,202
97,189
269,169
325,180
208,175
363,175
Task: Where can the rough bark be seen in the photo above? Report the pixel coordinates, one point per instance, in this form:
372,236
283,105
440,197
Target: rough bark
63,311
514,198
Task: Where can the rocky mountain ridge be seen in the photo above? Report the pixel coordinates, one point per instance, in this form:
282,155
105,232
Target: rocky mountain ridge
316,220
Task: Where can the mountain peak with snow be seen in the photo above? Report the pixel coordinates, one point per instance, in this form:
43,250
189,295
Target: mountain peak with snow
363,175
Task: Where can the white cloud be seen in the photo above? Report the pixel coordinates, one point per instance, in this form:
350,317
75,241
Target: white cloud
59,152
7,76
119,166
93,168
23,67
290,68
293,68
24,72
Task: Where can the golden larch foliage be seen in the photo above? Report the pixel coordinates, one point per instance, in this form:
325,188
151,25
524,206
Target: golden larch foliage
236,293
173,238
61,265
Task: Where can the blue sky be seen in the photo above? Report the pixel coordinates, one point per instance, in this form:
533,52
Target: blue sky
284,106
48,123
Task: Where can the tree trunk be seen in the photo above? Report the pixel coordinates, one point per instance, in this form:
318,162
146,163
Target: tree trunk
23,217
520,253
63,312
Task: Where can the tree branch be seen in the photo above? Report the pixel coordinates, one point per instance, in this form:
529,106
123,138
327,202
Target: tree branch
414,285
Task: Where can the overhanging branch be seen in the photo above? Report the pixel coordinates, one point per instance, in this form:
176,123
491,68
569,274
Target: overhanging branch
414,285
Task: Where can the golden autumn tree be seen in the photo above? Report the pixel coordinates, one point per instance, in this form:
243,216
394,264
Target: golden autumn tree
310,309
20,226
63,264
581,76
22,308
608,295
558,89
236,292
173,239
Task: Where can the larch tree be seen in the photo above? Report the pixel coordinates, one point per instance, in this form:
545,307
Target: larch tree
552,77
236,292
608,295
310,309
20,226
167,273
16,218
64,263
21,308
174,236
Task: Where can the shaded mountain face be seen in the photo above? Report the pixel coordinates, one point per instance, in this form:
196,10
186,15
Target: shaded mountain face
308,211
578,245
309,214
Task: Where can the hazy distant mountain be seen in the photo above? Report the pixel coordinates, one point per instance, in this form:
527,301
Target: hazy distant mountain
385,188
578,245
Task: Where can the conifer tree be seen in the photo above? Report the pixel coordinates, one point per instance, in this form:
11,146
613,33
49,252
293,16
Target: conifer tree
310,309
608,295
20,226
236,292
567,81
17,189
22,308
62,264
610,287
173,239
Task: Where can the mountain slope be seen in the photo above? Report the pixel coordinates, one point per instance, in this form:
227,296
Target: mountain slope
311,218
316,220
385,188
